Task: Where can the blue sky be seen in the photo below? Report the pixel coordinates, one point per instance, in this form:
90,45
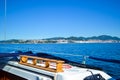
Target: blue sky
37,19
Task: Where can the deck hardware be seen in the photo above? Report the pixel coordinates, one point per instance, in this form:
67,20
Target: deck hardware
34,63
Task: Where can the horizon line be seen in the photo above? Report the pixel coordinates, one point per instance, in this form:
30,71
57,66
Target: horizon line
55,37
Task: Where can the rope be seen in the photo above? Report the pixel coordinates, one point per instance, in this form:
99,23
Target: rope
66,54
90,57
5,18
105,60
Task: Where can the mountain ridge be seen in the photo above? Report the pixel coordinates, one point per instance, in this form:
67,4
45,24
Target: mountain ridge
72,39
101,37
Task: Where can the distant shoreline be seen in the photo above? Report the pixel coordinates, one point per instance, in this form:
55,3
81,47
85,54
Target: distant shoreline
59,43
62,40
56,41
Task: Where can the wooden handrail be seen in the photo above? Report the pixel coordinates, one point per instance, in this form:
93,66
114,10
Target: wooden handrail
24,60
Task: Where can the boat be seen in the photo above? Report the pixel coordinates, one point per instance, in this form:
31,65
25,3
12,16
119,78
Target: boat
42,66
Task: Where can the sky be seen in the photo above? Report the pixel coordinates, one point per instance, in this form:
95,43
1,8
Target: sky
39,19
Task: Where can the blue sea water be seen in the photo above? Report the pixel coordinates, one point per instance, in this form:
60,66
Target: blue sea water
71,52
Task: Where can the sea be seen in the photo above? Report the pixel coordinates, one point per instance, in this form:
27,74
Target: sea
74,51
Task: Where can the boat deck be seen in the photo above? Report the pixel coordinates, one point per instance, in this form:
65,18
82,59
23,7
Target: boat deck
8,76
37,70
